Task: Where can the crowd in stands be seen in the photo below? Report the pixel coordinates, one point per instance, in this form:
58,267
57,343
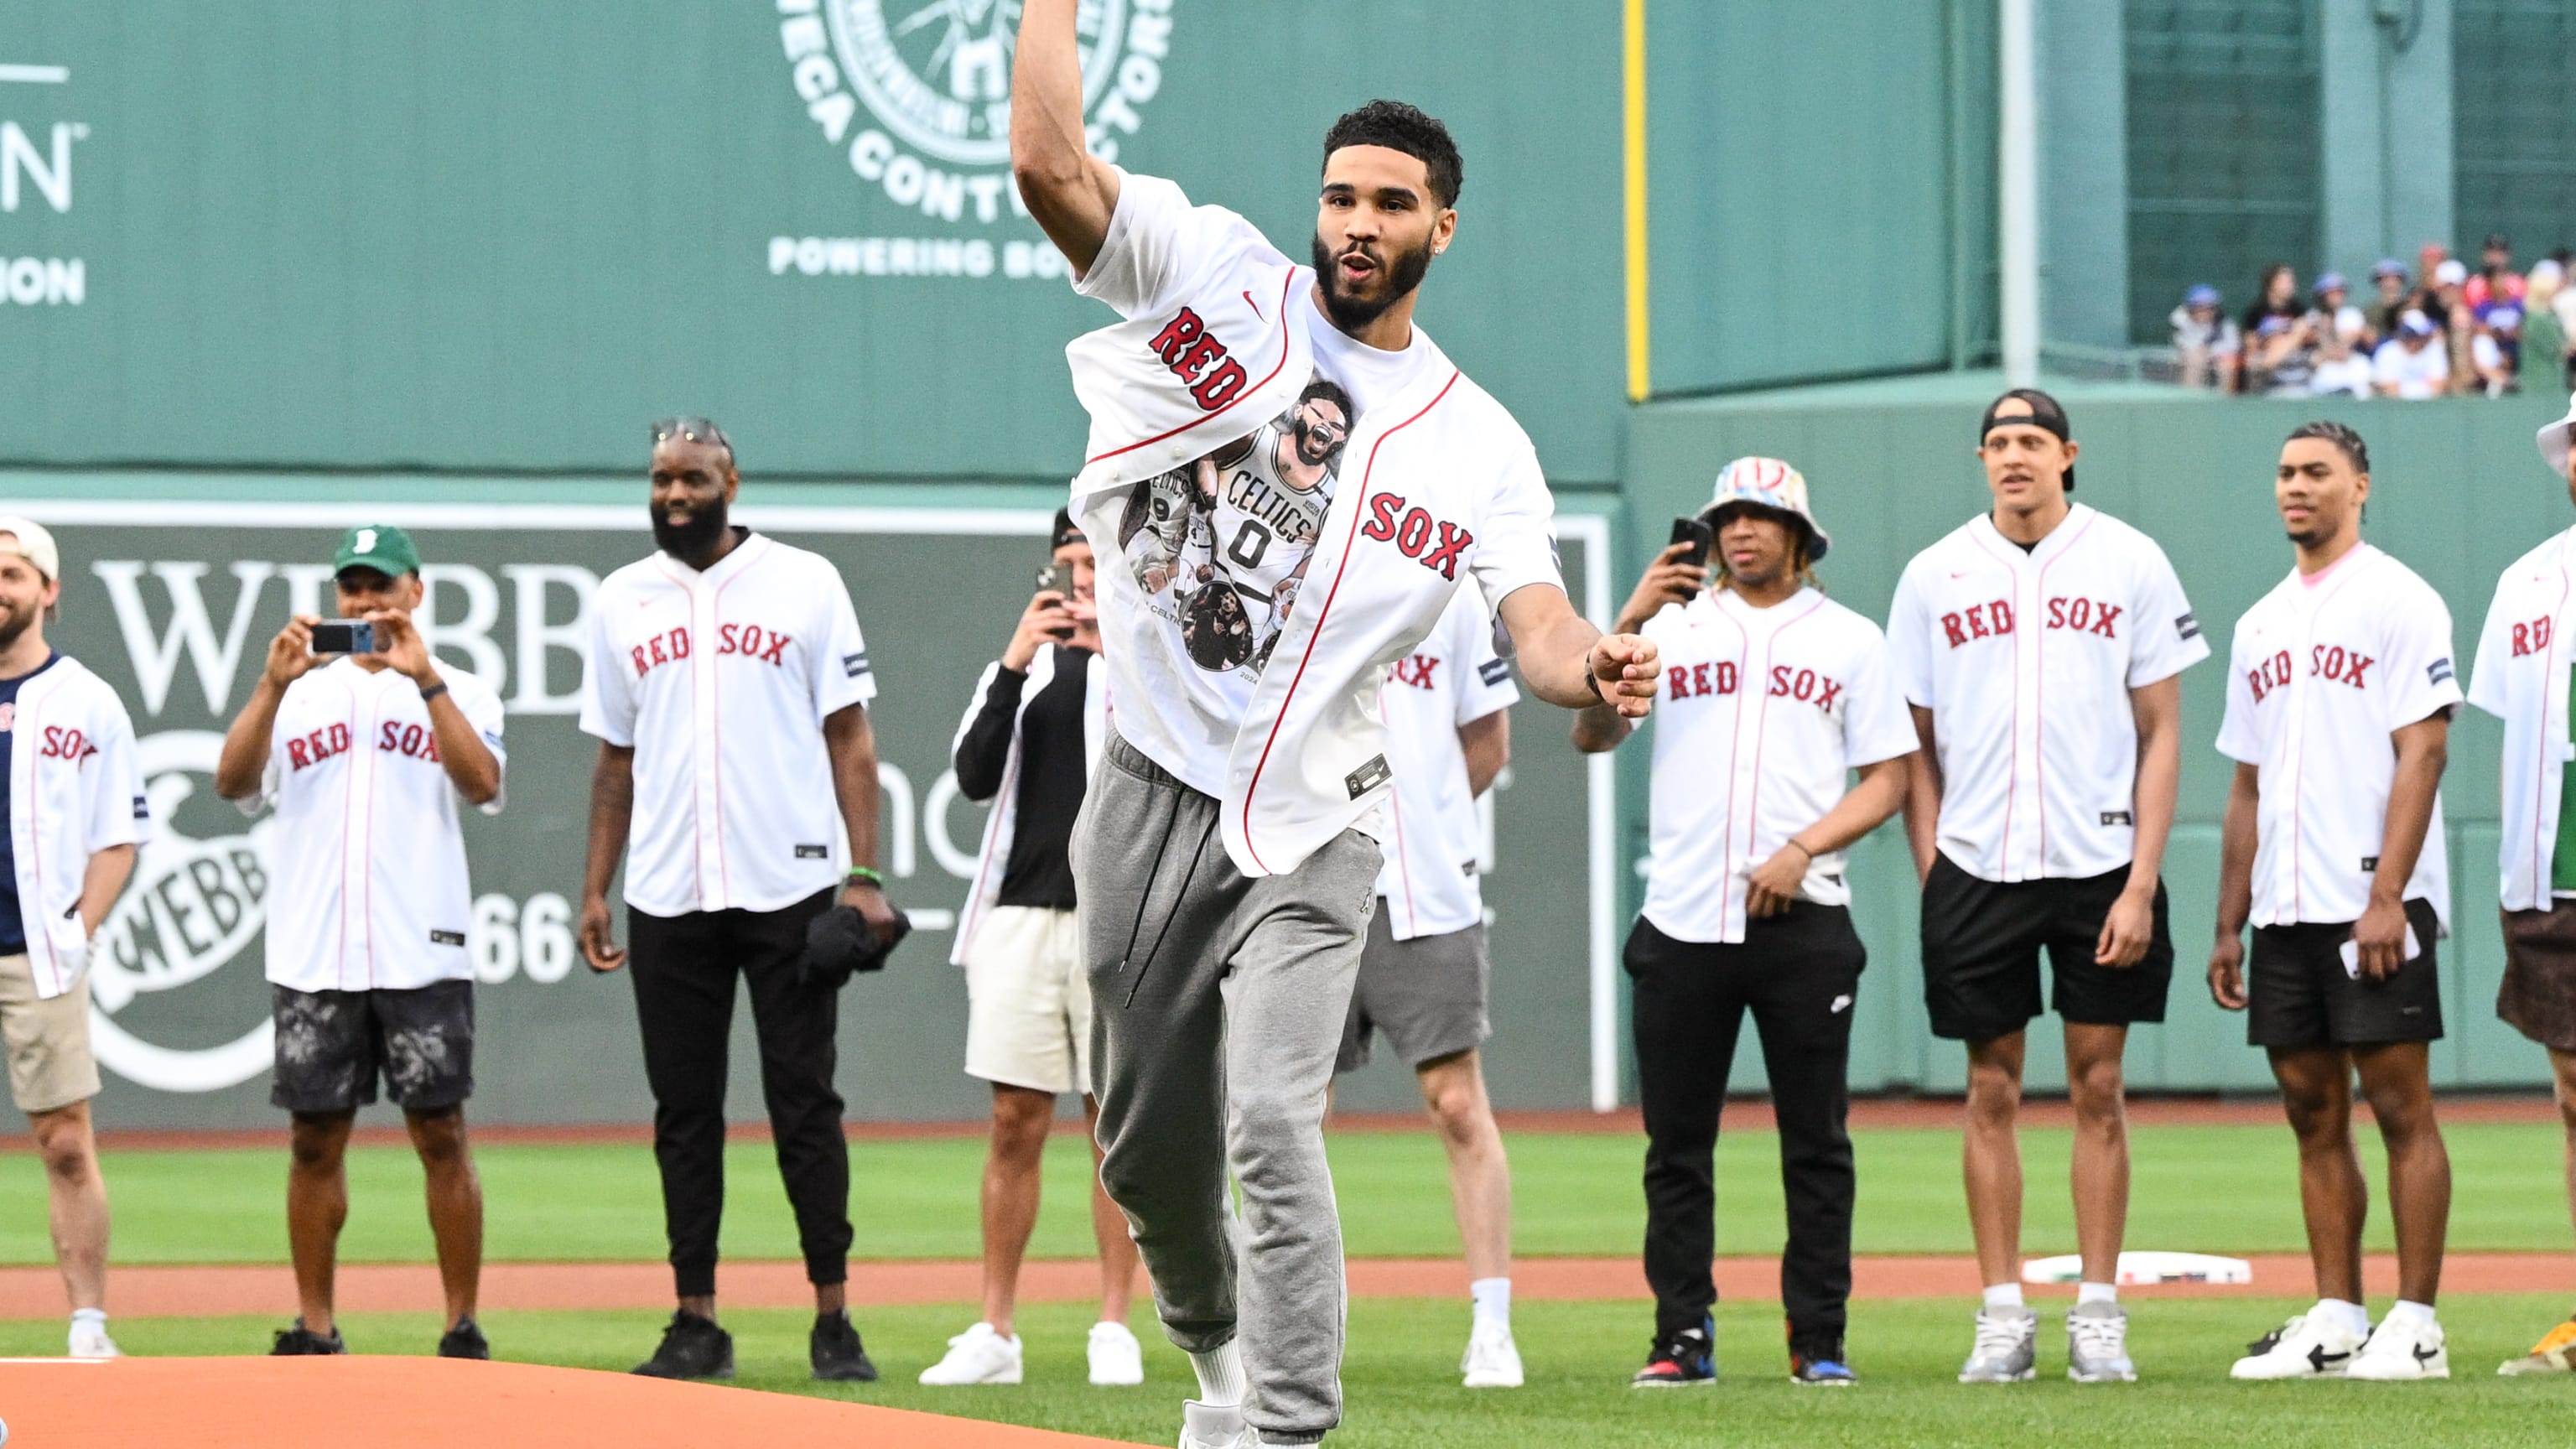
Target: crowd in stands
2441,330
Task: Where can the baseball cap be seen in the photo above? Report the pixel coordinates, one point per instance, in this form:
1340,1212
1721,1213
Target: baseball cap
2045,412
2413,321
379,546
2496,242
2450,273
2553,442
2332,282
2203,295
2389,267
1771,485
1065,530
31,542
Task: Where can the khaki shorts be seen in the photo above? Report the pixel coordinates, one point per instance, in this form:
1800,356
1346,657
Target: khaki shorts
1028,1012
50,1065
2538,995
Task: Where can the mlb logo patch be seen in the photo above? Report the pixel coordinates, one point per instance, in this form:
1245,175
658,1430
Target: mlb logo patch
2438,672
855,665
2187,627
1494,671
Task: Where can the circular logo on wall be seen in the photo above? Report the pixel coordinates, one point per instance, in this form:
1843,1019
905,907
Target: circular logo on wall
193,904
918,92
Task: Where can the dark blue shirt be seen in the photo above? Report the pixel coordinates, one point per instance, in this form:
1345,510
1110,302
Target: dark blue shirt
13,933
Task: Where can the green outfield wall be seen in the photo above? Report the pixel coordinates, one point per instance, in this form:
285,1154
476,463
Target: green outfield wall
2459,492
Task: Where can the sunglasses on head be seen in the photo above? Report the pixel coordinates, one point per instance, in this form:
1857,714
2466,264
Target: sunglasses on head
691,429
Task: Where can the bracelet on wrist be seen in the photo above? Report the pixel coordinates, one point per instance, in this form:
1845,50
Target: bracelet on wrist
1803,848
429,692
861,874
1591,678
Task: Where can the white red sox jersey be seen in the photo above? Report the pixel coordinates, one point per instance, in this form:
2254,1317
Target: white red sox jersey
2026,660
1433,835
2522,677
720,682
367,874
2322,670
75,789
1764,714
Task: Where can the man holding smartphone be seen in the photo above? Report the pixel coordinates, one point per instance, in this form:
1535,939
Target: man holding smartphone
1028,743
365,749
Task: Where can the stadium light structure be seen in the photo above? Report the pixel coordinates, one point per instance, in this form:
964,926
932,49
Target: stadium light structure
2017,188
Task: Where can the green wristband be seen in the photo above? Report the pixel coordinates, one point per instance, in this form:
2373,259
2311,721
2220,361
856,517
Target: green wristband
863,873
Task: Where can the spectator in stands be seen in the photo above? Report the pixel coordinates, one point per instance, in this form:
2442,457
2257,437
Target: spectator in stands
2457,323
2409,365
2495,344
2206,343
2343,340
2281,359
2390,278
2276,295
2549,324
2495,280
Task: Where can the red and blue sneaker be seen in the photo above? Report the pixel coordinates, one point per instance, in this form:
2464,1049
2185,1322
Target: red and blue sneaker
1821,1365
1682,1361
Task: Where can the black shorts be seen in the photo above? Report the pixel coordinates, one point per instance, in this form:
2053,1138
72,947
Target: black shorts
1981,945
332,1044
2299,994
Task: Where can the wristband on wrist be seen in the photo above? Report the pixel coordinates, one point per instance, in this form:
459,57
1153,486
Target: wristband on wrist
1803,848
860,873
1592,680
433,691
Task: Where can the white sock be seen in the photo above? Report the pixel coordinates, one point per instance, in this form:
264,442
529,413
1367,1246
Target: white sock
1493,1301
2409,1314
2096,1293
1220,1374
97,1318
2351,1317
2003,1295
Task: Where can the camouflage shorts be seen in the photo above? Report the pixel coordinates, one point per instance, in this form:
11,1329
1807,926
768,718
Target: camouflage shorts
332,1044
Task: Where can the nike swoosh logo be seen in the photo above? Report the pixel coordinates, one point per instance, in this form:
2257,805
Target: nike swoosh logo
2426,1355
1963,575
1839,1003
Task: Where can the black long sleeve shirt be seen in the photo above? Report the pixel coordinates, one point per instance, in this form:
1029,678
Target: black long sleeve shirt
1053,763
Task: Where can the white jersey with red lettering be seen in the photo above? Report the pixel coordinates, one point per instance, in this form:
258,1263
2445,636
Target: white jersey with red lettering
366,868
75,789
720,682
1764,714
2521,678
1435,835
2026,660
2322,671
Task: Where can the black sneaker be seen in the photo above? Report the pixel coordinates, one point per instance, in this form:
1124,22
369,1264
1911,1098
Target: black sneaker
299,1341
1683,1360
465,1340
839,1357
692,1348
1821,1365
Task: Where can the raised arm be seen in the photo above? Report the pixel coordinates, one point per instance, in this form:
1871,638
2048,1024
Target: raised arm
1573,665
1069,192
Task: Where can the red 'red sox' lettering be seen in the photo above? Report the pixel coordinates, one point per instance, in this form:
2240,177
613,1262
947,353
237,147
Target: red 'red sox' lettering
2532,638
1411,529
1979,621
1188,349
2084,616
66,744
769,646
1805,684
1416,671
2269,675
410,741
312,749
668,647
2332,662
1696,680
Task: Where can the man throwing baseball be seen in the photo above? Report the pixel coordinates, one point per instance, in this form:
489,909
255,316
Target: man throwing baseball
1227,857
365,757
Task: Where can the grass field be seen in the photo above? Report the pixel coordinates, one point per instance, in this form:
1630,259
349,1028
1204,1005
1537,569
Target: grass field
1402,1388
2208,1189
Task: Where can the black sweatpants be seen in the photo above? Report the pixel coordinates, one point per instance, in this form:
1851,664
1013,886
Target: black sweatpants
684,969
1798,974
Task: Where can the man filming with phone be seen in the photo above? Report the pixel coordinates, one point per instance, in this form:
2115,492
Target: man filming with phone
1029,740
365,749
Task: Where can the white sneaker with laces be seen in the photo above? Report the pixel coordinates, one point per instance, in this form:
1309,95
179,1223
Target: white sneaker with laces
2097,1345
1493,1361
91,1341
1214,1426
2007,1347
1117,1359
2399,1352
977,1356
2309,1346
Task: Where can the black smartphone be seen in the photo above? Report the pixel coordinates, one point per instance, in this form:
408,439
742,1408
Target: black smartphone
1057,579
344,636
1701,539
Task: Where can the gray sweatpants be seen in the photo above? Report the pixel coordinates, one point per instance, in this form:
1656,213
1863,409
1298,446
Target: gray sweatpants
1217,1006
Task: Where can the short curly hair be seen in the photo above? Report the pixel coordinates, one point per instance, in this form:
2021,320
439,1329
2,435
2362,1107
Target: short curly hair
1400,127
2347,441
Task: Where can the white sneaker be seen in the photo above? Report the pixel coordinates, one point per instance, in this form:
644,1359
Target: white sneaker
1493,1361
88,1341
2007,1347
2398,1352
1117,1359
2306,1347
977,1356
1214,1426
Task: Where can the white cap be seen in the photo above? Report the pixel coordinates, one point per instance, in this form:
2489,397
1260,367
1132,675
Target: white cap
29,540
2554,440
1771,484
2451,273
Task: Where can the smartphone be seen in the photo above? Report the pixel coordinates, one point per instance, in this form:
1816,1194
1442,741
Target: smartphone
1701,539
1057,579
344,636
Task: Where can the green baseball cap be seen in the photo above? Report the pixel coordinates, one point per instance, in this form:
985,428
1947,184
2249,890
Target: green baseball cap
379,546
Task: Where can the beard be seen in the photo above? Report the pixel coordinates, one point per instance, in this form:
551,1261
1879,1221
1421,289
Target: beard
695,537
14,626
1403,272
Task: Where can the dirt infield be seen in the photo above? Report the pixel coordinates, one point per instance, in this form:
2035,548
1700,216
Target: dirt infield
428,1403
1745,1114
156,1292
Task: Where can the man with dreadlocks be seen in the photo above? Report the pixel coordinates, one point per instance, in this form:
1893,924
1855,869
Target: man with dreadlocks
1776,695
2339,703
